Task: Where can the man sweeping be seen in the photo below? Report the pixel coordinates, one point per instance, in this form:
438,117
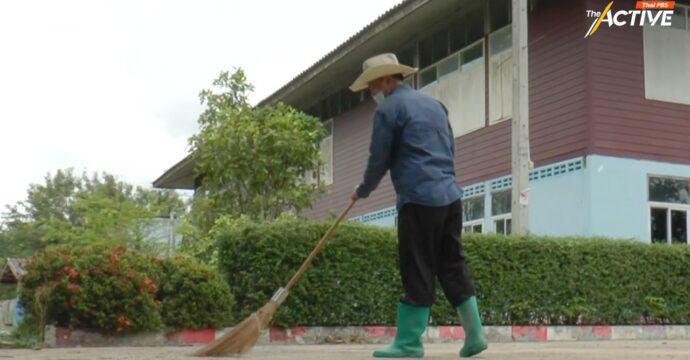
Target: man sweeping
413,139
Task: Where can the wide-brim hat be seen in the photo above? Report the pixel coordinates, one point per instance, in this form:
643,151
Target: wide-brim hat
379,66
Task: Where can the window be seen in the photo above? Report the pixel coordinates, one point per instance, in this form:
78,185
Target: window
473,214
427,76
500,211
666,55
669,190
458,82
669,206
501,75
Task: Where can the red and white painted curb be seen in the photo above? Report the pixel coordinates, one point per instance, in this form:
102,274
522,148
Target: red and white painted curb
63,337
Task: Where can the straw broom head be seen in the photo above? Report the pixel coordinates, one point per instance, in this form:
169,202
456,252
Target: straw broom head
242,337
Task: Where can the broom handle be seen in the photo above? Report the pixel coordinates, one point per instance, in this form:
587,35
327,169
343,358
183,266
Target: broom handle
317,250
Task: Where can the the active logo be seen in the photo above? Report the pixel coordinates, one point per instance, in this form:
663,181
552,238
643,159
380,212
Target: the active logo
654,13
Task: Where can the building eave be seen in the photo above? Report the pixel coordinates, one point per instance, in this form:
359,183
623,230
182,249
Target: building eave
179,176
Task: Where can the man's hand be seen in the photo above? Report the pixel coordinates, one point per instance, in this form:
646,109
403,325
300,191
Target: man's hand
355,197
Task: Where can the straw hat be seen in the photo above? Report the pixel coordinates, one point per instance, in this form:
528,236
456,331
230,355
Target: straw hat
379,66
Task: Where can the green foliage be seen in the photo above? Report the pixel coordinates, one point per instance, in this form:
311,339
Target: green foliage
8,291
27,335
354,281
519,280
194,296
656,309
100,287
253,160
116,290
71,209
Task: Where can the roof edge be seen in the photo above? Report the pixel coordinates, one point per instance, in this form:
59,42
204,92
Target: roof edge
381,23
157,183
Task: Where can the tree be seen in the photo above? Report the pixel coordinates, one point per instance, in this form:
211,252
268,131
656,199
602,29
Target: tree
83,210
252,160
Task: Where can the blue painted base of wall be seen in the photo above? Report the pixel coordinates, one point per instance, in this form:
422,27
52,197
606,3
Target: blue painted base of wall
593,196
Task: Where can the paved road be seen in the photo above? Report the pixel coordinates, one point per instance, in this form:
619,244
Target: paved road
608,350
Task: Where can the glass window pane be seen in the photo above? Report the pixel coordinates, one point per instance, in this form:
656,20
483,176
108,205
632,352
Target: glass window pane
427,76
473,209
501,13
448,66
500,202
679,19
473,53
501,40
679,227
509,229
500,226
669,190
658,225
477,229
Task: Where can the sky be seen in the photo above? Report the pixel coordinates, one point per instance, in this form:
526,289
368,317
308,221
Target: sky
113,85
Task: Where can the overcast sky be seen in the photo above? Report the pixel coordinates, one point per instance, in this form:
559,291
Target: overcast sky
113,85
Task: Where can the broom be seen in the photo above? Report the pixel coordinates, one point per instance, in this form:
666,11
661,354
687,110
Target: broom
242,337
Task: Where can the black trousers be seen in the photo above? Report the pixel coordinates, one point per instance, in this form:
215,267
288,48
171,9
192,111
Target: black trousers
430,246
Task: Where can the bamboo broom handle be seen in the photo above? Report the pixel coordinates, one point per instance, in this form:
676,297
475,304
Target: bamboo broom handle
317,250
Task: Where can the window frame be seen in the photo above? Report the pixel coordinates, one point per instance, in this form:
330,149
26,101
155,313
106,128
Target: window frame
504,218
670,177
471,225
668,207
479,221
458,55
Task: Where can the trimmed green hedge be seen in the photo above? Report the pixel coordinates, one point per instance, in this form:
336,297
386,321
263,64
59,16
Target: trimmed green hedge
519,280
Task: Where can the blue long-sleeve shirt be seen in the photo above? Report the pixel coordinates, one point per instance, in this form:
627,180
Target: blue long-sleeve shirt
414,140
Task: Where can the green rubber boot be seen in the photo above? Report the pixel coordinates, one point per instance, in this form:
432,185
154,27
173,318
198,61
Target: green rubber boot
474,337
412,321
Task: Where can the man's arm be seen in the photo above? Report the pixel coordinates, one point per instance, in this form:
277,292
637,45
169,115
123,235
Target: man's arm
379,153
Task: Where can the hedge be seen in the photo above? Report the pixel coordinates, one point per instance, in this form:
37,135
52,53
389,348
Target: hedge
519,280
193,296
116,290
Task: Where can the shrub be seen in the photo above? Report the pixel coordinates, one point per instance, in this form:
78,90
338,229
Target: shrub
519,280
99,287
116,290
193,295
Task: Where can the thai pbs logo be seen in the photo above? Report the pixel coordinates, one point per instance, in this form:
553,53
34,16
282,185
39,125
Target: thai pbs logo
653,13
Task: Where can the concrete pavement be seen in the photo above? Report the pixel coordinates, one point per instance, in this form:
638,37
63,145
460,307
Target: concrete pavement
571,350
